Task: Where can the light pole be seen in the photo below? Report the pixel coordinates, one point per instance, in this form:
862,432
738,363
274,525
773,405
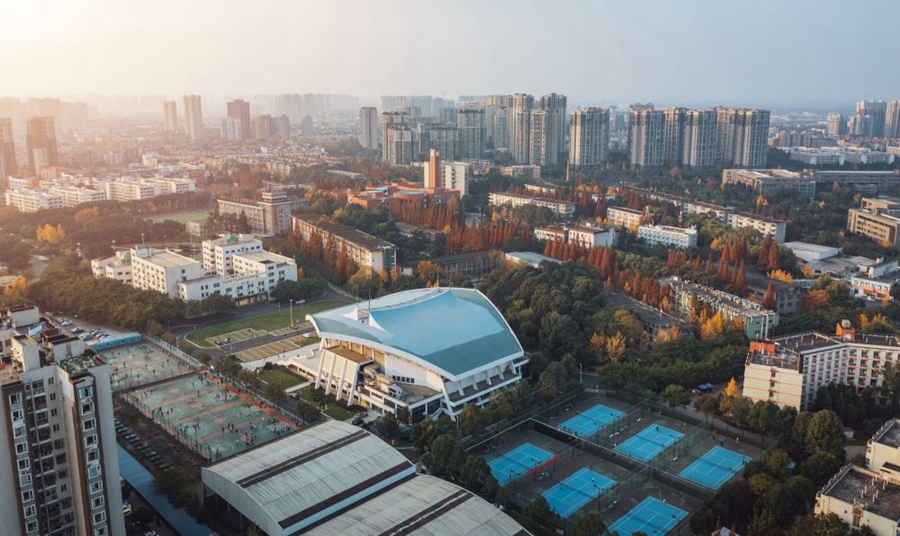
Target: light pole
292,312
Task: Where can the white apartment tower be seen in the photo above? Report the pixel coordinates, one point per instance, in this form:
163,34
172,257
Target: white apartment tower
699,140
59,469
193,118
472,135
589,137
646,137
368,127
519,115
170,115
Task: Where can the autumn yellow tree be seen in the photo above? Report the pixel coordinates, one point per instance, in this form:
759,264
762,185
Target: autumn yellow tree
713,327
19,287
732,388
668,334
87,214
781,275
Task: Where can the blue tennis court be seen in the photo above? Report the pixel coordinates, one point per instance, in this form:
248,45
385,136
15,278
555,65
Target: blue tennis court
649,442
517,462
715,467
587,423
570,495
652,517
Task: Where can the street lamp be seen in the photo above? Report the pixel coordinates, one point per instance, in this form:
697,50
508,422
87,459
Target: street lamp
292,312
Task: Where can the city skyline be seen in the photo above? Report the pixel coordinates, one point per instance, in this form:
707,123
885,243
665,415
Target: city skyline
615,56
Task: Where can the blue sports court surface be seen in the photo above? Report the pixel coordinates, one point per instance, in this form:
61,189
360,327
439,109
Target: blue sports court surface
587,423
652,517
649,442
715,467
517,462
570,495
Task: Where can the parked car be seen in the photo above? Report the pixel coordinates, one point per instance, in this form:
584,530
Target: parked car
76,330
126,509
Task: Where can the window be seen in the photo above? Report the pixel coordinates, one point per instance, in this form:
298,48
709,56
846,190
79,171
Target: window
24,464
97,502
30,511
15,399
90,440
100,517
89,424
32,526
21,448
27,495
87,408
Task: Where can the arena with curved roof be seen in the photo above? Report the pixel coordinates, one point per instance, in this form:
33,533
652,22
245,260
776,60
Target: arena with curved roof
429,350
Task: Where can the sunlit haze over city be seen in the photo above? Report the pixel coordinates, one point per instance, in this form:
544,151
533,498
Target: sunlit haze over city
506,268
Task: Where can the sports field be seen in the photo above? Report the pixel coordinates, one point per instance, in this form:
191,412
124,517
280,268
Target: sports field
142,363
182,217
601,453
270,322
208,416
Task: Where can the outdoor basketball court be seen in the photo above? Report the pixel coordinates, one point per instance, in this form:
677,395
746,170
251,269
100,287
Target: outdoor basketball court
570,495
652,517
715,467
649,442
208,416
270,349
142,363
522,460
591,421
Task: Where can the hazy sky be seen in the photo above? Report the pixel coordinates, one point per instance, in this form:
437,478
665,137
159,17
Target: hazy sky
666,51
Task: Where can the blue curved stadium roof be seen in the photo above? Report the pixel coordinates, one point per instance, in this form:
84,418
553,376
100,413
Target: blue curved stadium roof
455,330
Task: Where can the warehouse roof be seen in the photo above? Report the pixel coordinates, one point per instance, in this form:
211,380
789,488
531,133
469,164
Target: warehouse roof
422,505
292,482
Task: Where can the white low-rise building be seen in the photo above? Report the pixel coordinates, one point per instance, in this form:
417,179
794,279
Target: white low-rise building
561,208
668,236
790,370
233,266
255,275
431,351
117,267
627,218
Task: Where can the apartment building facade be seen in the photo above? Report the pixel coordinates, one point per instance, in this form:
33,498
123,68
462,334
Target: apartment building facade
363,249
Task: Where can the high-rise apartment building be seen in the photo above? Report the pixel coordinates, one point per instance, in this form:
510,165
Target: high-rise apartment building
368,127
283,126
555,140
876,111
742,136
699,138
8,163
519,127
646,137
193,118
388,120
470,122
59,470
674,136
264,127
40,140
240,110
751,138
170,115
836,125
444,138
892,120
400,145
589,137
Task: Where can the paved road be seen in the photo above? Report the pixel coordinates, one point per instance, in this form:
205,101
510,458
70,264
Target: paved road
250,311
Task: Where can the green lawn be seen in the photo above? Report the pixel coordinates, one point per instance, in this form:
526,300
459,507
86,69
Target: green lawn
336,410
269,322
279,377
